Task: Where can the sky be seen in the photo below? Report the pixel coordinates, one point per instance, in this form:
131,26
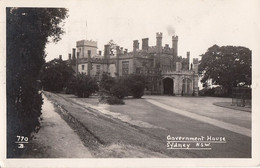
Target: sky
198,23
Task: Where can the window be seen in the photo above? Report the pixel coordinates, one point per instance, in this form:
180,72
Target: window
125,67
82,67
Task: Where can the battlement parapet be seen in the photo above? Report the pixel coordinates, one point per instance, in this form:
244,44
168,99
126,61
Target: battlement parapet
86,43
159,35
187,72
175,38
195,61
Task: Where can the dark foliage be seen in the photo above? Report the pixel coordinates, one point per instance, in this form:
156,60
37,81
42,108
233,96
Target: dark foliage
112,90
112,100
107,82
85,85
27,33
130,85
215,92
136,84
70,87
228,66
107,98
55,75
120,88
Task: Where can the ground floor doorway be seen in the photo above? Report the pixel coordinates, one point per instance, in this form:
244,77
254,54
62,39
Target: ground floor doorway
168,85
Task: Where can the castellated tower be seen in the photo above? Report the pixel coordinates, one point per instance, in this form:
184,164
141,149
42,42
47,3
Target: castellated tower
159,41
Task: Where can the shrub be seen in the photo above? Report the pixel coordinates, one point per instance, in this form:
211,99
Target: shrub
136,85
70,87
107,98
85,85
215,92
120,89
107,82
114,100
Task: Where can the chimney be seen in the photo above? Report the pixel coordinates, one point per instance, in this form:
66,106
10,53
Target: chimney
74,53
106,52
60,57
188,58
99,52
175,46
135,45
126,51
145,44
69,56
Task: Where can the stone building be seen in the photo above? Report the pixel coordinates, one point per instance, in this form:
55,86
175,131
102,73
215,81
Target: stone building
167,72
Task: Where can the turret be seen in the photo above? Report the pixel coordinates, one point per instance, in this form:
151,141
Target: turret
159,41
195,65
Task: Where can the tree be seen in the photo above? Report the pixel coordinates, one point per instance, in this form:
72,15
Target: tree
55,74
27,30
106,82
228,66
120,89
85,85
112,47
136,85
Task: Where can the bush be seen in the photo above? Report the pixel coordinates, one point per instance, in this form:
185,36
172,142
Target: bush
214,92
107,82
136,85
85,86
107,98
114,100
120,89
70,87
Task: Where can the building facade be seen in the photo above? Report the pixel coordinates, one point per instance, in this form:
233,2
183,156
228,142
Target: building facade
167,72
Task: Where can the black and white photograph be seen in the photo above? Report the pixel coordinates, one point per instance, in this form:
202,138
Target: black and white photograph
130,83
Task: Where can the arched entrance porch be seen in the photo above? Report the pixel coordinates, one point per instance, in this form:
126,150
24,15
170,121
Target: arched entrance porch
168,86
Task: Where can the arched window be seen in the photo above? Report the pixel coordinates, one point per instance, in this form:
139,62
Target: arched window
186,86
